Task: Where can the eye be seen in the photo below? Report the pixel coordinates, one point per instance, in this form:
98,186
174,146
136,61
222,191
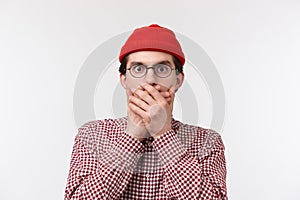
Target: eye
162,68
138,68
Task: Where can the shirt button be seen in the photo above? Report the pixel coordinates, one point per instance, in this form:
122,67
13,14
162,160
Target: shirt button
147,175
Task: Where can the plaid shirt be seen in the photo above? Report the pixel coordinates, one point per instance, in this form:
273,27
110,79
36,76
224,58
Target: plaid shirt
186,162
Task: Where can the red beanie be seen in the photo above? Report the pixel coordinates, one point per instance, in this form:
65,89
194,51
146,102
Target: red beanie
153,37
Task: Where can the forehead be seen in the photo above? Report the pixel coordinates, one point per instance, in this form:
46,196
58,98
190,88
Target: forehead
149,57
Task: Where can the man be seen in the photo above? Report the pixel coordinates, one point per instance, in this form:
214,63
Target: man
148,154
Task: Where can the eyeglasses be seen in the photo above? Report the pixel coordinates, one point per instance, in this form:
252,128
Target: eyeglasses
160,70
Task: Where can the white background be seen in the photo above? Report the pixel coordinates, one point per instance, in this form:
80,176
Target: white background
255,46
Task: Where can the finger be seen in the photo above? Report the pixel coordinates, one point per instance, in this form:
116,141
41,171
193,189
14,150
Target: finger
165,94
168,100
135,118
145,96
130,112
139,111
138,88
157,87
138,102
133,114
163,88
153,92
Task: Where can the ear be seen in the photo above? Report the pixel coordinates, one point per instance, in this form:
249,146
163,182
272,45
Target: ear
123,80
179,81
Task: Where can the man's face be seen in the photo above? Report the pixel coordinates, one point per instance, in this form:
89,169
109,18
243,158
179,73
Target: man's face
150,58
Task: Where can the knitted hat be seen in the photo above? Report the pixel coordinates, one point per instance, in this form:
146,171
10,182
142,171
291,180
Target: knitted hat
153,38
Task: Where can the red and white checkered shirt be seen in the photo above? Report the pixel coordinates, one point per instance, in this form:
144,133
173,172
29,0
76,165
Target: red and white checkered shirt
186,162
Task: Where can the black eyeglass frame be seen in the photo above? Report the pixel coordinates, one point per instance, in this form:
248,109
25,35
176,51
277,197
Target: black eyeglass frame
153,67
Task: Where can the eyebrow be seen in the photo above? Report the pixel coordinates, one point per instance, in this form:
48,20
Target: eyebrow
166,62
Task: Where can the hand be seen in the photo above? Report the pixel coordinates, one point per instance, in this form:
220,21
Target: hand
135,124
154,107
164,91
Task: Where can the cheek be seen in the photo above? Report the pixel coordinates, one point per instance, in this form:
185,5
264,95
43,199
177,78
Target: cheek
168,83
132,84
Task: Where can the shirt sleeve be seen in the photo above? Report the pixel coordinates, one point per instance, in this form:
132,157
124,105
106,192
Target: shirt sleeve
192,177
103,175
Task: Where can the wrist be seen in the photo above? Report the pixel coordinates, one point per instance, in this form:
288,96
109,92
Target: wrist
157,135
134,136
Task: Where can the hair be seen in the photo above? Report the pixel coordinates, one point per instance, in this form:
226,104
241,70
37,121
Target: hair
178,65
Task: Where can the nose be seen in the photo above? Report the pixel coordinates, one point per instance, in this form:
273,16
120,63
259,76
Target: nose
151,77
